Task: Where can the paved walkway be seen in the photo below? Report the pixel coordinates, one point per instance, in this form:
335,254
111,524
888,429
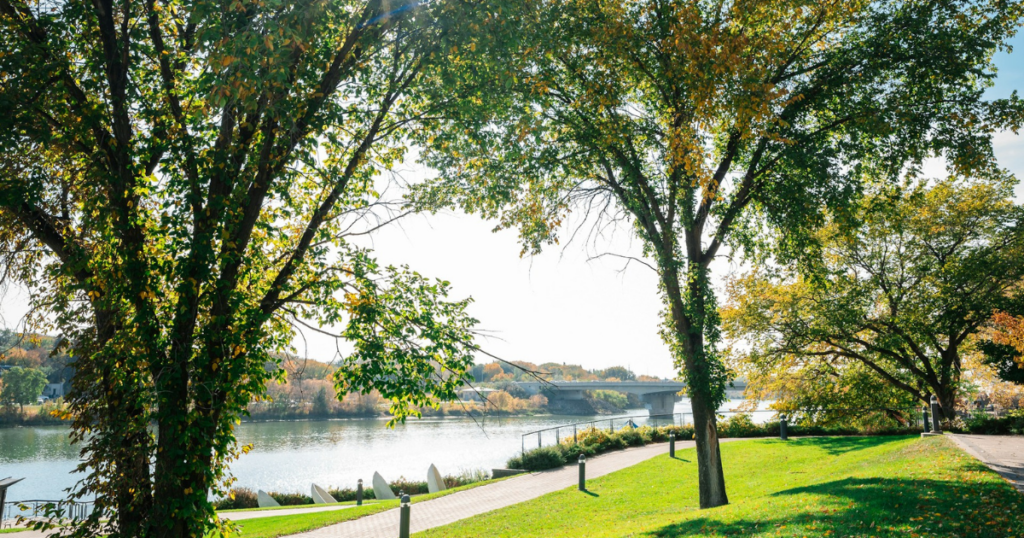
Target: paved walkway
1004,454
475,501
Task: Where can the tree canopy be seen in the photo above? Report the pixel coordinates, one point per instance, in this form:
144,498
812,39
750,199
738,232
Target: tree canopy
697,122
900,290
21,386
177,180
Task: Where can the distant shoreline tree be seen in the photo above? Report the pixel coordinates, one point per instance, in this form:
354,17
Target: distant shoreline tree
21,386
903,283
695,122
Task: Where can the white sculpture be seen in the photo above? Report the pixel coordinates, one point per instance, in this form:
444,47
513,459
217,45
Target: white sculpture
264,500
320,495
381,490
435,482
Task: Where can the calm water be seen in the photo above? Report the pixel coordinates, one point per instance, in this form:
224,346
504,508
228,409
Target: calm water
288,456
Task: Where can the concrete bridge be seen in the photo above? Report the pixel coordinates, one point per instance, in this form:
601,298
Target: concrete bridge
659,397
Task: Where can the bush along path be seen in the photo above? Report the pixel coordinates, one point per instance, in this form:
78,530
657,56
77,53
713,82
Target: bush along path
810,487
593,441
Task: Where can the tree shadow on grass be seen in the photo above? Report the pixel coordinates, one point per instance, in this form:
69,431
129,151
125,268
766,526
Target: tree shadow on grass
869,507
837,446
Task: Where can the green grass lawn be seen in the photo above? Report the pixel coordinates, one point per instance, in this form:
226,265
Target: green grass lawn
273,526
814,487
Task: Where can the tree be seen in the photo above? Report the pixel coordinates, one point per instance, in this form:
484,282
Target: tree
1004,348
321,403
22,386
826,391
176,184
689,119
619,372
900,288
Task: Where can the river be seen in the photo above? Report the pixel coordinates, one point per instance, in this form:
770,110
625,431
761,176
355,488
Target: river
288,456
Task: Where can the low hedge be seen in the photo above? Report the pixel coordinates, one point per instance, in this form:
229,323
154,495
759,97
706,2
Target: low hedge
592,441
983,424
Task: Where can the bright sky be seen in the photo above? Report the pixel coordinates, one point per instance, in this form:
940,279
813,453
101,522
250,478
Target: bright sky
558,306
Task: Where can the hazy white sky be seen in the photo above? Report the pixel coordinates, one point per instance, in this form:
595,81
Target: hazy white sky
557,306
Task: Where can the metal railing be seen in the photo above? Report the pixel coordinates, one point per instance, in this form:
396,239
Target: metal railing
679,419
674,419
38,509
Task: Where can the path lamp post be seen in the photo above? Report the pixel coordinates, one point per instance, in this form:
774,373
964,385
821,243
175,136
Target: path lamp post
783,426
359,492
671,445
583,473
935,415
403,522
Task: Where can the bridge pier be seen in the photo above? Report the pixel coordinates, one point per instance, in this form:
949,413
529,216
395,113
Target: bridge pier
660,403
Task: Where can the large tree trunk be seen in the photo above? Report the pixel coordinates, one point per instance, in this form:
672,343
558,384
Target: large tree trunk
710,477
947,402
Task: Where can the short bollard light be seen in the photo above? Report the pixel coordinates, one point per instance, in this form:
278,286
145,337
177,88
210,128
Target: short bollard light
671,445
783,428
403,522
935,415
583,473
359,492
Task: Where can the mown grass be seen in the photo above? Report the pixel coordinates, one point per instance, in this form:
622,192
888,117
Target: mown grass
813,487
274,526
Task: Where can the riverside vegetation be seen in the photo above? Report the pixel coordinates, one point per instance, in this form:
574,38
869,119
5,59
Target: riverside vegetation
593,441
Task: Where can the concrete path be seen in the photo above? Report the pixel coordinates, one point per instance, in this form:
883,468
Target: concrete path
1004,454
464,504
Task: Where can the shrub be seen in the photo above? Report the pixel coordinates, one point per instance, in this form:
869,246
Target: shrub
740,425
980,423
349,494
290,499
539,459
240,498
593,441
237,499
467,477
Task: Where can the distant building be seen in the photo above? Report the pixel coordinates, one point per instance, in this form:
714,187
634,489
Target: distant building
54,391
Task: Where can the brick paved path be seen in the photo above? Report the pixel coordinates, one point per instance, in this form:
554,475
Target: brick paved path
1004,454
451,508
